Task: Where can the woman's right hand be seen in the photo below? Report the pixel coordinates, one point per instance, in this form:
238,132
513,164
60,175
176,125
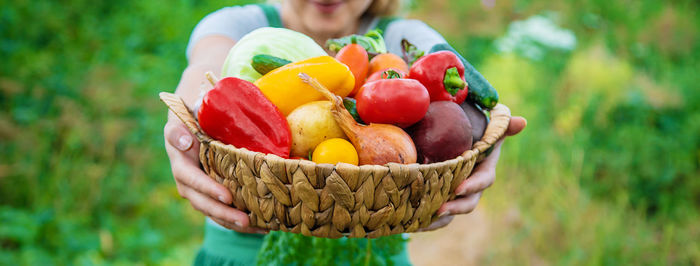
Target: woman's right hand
204,194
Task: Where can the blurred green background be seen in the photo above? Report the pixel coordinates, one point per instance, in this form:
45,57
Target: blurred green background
607,171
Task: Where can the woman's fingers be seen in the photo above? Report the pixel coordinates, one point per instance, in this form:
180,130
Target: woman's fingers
460,205
177,135
194,185
484,174
187,173
249,230
216,209
192,177
184,162
517,124
440,223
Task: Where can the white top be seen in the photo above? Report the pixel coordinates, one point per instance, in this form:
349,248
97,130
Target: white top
236,21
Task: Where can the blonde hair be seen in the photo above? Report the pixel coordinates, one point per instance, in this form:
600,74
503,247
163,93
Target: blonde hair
384,8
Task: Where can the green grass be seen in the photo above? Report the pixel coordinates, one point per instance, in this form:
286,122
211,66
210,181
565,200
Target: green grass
605,173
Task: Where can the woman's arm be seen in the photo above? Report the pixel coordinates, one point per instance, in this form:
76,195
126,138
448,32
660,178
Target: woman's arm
208,54
204,194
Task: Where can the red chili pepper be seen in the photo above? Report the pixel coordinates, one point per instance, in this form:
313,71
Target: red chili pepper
442,73
236,112
395,100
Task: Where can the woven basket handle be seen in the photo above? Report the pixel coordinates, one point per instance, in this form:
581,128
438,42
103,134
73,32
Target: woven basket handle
500,118
178,107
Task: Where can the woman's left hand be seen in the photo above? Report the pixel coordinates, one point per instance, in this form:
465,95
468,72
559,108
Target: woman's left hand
483,176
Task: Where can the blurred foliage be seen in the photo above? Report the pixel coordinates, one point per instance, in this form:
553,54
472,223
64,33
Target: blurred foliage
605,173
83,175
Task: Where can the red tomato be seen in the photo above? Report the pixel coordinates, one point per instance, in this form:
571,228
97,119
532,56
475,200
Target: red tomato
356,58
398,101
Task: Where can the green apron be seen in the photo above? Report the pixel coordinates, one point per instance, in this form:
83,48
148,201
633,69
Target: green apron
226,247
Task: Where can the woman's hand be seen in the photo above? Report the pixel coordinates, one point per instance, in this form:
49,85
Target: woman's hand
483,176
204,194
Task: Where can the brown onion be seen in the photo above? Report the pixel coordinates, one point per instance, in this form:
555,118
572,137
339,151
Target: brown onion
375,143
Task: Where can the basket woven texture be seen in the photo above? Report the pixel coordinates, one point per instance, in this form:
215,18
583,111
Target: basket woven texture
333,201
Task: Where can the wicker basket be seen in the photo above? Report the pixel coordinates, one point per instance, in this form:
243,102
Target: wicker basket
333,201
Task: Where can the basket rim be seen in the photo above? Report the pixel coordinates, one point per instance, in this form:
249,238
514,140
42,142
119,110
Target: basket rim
495,130
269,157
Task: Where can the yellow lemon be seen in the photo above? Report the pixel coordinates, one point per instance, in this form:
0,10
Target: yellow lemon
335,150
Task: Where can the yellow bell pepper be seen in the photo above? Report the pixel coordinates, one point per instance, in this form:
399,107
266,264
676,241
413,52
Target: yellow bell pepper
287,91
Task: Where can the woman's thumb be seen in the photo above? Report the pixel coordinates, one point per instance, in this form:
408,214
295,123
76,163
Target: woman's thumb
179,137
517,124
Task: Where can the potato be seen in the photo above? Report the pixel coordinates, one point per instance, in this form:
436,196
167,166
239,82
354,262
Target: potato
311,124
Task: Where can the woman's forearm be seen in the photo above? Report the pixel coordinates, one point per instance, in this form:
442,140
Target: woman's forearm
191,82
208,54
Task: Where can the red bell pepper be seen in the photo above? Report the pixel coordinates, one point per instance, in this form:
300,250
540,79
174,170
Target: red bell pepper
442,73
236,112
395,100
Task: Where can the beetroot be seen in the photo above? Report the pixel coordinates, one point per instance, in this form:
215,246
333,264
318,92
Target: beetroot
477,118
443,134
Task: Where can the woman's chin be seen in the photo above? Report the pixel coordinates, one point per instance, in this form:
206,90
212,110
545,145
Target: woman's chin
327,26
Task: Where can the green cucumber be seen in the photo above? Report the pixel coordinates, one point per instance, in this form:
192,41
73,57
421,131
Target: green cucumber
480,90
264,63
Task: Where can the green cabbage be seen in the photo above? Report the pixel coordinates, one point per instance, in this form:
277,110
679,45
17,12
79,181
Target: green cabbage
279,42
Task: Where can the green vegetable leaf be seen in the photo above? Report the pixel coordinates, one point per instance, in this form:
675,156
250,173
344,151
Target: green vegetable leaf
373,42
351,105
281,248
411,53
